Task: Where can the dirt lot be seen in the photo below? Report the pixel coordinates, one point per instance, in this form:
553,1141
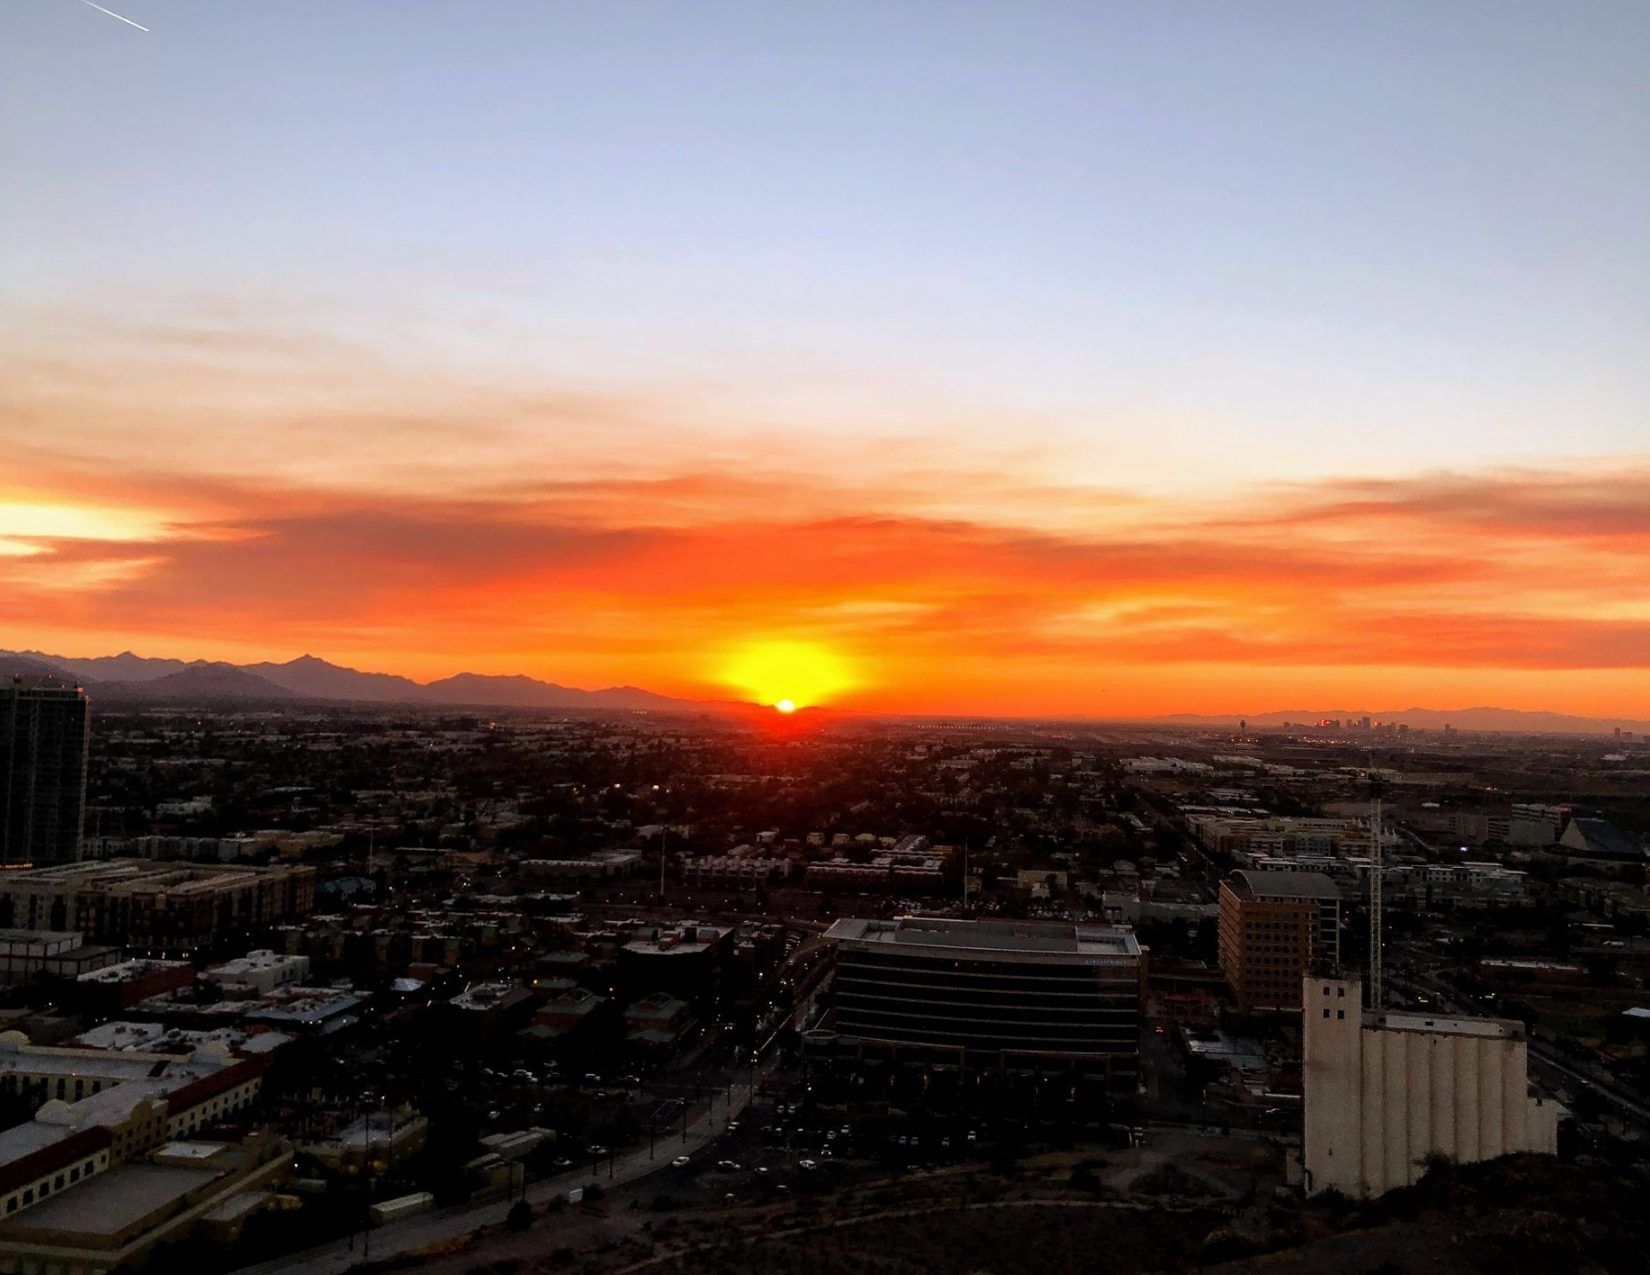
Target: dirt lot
1146,1209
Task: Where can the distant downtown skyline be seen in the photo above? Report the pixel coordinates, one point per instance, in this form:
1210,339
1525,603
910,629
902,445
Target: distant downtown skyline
987,359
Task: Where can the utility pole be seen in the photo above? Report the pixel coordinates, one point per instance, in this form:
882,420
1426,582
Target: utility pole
664,838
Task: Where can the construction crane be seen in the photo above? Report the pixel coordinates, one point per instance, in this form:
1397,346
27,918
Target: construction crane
1376,894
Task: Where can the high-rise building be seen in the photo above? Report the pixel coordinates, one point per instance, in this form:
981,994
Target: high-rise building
44,732
1387,1090
1275,927
1011,995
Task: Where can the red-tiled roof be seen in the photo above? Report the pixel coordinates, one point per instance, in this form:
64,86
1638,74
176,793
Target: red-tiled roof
199,1091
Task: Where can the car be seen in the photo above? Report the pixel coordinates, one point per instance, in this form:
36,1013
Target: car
729,1166
733,1126
562,1162
597,1152
681,1162
807,1164
762,1170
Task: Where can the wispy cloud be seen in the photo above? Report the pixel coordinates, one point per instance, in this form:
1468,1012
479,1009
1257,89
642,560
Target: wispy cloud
255,487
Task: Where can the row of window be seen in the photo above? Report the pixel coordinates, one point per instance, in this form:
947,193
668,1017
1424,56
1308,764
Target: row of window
41,1189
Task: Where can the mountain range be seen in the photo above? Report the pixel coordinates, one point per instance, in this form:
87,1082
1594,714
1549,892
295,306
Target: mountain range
128,676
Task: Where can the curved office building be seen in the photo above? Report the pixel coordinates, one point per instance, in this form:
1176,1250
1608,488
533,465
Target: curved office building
992,994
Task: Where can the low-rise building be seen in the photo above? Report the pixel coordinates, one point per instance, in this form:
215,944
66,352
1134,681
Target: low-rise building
157,907
94,1110
120,986
657,1024
258,973
373,1144
115,1219
30,955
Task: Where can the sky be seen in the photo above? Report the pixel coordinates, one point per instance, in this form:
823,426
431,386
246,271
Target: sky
1107,359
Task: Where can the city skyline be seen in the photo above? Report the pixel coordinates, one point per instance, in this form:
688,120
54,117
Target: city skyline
1107,364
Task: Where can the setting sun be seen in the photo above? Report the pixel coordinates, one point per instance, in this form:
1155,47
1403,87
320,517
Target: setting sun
788,674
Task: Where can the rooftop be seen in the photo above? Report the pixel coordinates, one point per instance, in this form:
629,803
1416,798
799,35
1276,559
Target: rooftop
127,971
1283,885
1445,1025
1018,938
111,1202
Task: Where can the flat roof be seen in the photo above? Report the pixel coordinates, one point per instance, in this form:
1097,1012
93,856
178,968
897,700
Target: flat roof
32,938
1447,1025
1017,938
100,1064
110,1202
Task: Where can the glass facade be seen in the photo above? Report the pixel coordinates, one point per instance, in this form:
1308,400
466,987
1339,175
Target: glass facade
44,732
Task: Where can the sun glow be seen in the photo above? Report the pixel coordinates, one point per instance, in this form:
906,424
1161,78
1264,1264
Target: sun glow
788,674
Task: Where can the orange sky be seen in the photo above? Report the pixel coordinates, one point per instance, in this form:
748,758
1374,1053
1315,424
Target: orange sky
599,539
1111,360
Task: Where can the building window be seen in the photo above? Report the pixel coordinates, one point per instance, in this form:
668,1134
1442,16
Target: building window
1326,1013
1340,1013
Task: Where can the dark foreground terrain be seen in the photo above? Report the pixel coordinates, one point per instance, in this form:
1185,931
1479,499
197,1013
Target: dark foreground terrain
1204,1209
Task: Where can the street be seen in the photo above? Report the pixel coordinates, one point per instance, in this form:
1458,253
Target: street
428,1228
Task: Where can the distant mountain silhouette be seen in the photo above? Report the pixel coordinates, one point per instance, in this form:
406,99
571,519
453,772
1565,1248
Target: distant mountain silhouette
125,667
28,664
198,682
518,691
127,677
314,678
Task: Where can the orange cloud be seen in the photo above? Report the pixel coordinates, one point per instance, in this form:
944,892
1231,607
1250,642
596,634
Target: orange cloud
234,487
1457,575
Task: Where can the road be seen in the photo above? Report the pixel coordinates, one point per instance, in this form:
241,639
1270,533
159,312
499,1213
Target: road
443,1224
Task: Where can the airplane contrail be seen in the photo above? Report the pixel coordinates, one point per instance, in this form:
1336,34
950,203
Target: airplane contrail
116,16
